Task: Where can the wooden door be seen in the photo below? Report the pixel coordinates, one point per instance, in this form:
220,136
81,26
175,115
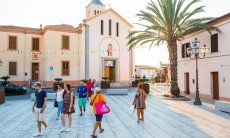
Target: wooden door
112,74
215,85
187,86
35,71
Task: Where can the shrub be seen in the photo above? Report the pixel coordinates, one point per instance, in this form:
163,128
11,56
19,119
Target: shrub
5,78
58,79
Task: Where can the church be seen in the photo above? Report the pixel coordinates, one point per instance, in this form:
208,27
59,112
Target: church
97,48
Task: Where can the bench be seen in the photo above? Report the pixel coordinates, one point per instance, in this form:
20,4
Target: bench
117,91
50,96
222,106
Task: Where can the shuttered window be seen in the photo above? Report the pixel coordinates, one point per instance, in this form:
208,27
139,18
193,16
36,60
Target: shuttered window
65,68
12,68
35,44
117,28
102,27
184,50
65,42
214,43
12,43
110,27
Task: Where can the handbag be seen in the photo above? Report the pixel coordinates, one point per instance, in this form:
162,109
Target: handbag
55,103
101,108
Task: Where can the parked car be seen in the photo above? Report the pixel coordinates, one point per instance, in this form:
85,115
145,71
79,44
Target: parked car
11,88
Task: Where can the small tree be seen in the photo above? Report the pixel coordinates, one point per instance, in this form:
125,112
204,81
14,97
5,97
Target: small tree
5,78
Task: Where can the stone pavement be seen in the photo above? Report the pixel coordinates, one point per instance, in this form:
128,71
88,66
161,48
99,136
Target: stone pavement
163,118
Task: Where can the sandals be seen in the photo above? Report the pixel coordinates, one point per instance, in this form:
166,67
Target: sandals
101,131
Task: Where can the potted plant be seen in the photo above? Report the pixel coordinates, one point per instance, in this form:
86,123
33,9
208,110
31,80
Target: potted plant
105,83
5,78
58,81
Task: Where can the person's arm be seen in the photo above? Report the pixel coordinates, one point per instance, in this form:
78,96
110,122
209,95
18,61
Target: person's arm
44,104
71,101
134,100
34,105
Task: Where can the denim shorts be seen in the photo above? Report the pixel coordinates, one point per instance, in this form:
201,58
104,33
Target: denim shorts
99,118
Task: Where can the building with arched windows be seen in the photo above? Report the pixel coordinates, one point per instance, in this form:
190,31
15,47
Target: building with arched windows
95,49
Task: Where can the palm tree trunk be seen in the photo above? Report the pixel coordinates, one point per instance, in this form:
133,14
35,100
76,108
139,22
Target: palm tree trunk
172,47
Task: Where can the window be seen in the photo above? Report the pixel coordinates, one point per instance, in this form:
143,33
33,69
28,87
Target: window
110,27
214,43
12,43
65,42
102,27
65,68
35,44
12,68
184,50
117,28
95,12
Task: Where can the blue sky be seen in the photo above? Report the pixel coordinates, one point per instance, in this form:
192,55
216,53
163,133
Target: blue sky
32,13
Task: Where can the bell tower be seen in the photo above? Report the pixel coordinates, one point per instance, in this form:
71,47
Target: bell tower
94,8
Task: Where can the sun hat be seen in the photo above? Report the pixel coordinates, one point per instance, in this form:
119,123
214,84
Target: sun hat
97,89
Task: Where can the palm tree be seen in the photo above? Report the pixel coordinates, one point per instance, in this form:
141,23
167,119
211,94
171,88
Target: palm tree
167,21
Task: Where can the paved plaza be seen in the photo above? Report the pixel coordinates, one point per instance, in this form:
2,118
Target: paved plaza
163,118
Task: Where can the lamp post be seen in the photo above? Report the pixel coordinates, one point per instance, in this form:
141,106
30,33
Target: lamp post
195,52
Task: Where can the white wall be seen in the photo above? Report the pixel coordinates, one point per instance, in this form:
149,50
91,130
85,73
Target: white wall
214,62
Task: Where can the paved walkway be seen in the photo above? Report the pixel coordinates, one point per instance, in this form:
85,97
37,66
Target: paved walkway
163,118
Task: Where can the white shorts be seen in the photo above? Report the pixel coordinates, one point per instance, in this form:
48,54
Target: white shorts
39,116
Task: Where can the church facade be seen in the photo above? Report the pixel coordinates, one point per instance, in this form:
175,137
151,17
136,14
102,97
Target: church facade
97,48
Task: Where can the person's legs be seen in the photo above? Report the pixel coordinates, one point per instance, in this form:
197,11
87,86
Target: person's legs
70,120
142,114
59,109
63,119
138,115
39,126
95,128
80,107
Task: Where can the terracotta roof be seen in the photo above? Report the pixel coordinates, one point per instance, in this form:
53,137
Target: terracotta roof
19,29
39,31
110,9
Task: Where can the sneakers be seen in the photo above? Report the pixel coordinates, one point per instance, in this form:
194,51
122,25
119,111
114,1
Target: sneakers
37,134
45,131
63,129
68,129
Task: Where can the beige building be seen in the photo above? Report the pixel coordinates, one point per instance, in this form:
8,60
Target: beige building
214,77
95,49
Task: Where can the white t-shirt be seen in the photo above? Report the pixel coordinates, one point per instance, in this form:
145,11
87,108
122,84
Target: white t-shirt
59,95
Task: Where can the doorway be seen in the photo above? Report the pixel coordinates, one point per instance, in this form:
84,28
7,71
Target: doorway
110,70
35,71
215,85
187,86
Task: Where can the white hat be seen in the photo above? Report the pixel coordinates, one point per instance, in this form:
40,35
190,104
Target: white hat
97,89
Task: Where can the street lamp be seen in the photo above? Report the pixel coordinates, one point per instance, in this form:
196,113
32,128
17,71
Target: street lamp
195,52
1,62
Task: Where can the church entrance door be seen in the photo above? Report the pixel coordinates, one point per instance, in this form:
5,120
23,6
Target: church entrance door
110,70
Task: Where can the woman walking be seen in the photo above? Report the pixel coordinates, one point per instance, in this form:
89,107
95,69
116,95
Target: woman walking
59,99
96,98
139,102
67,108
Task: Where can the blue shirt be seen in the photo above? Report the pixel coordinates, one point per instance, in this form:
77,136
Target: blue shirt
82,90
40,98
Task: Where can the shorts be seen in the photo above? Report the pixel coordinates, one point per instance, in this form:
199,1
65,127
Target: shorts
39,116
82,102
99,118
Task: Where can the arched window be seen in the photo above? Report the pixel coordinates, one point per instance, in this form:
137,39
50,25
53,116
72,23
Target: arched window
95,12
117,28
110,27
102,27
110,50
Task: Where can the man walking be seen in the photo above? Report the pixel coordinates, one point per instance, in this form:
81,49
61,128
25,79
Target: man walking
39,108
82,94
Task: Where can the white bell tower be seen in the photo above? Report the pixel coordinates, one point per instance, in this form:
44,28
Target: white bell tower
95,7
